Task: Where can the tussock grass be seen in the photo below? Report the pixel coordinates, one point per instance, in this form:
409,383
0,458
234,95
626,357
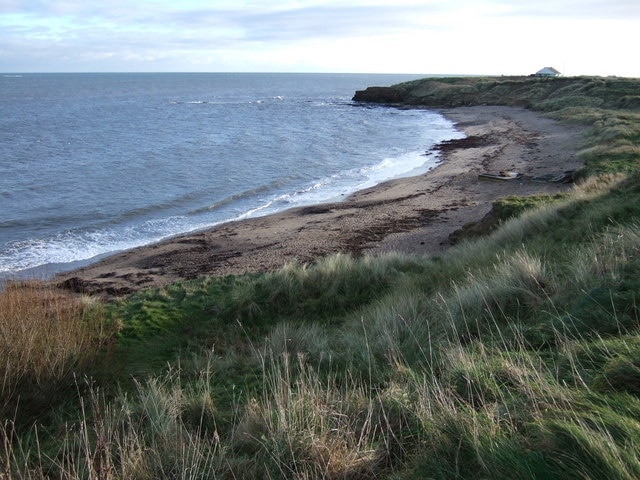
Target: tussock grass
141,436
308,427
332,287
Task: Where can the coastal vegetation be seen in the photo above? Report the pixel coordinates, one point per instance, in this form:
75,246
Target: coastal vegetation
513,355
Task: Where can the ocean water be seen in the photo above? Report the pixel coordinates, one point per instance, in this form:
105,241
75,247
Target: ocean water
91,164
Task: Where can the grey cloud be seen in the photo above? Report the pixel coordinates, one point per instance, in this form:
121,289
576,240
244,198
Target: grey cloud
320,22
239,24
317,22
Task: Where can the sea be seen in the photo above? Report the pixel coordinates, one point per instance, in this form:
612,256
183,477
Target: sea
93,164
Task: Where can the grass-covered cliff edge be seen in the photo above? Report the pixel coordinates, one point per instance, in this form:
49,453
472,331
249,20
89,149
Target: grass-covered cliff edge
515,355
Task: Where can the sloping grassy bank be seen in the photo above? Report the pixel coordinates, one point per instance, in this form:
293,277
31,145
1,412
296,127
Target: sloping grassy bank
610,105
515,355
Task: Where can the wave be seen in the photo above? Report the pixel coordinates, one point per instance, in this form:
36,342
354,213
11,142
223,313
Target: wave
94,219
282,202
338,186
83,244
230,101
237,197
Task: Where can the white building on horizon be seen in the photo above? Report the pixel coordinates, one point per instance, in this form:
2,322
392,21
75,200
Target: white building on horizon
548,72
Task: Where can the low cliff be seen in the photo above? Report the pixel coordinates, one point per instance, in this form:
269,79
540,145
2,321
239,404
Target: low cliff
532,92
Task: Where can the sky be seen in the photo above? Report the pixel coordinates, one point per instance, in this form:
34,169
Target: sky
490,37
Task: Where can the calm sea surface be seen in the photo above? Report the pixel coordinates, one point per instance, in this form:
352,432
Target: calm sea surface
96,163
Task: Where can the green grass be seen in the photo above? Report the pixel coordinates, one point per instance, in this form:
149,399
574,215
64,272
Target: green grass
514,206
515,355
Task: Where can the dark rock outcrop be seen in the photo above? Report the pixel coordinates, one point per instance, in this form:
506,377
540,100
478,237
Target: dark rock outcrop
379,95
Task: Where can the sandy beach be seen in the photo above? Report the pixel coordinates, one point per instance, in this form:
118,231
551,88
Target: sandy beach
413,215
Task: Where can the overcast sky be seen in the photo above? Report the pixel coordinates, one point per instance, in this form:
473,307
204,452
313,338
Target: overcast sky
501,37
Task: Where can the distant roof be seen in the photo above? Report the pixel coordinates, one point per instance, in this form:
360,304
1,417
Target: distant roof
548,71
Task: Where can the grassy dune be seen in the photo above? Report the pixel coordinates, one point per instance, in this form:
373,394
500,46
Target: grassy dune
516,355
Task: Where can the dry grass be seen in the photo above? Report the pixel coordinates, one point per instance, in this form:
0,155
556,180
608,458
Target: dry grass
306,427
46,337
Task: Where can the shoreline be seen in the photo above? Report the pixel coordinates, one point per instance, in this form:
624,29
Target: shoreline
414,215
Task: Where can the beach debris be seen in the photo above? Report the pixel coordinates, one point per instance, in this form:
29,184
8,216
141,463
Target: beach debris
564,177
503,175
472,141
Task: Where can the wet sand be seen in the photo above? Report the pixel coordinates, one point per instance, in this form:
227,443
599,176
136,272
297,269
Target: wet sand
414,215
